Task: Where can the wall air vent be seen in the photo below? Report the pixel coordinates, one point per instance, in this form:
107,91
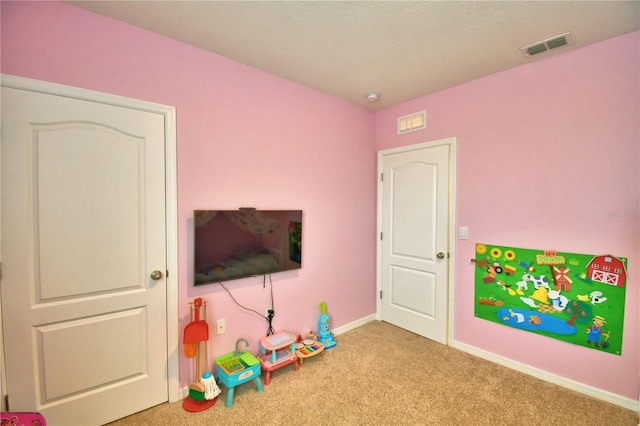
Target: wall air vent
547,45
412,122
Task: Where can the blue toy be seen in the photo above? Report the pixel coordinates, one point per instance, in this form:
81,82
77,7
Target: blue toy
324,328
236,368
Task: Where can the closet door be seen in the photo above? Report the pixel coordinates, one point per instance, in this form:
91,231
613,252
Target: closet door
414,247
83,234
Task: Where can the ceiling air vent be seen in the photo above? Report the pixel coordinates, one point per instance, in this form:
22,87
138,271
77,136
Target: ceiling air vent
412,122
548,44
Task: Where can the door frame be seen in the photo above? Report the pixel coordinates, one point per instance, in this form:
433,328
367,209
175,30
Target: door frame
451,142
171,200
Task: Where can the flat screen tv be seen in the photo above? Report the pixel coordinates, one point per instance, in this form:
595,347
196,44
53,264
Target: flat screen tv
234,244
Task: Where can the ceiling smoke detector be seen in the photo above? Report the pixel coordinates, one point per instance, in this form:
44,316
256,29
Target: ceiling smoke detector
547,45
373,97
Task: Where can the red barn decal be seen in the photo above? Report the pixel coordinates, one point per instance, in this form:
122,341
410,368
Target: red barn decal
607,269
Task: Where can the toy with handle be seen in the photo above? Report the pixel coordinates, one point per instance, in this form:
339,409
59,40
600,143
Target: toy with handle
206,343
190,348
196,332
324,328
211,389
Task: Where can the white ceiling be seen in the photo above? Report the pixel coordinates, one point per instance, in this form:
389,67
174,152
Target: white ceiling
400,49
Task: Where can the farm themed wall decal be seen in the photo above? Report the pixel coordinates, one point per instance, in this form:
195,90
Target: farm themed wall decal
576,298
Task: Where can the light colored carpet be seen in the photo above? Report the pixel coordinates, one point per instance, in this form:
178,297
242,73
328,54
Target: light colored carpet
381,374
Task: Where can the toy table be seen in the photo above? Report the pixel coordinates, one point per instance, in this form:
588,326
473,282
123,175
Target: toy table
233,370
307,349
281,348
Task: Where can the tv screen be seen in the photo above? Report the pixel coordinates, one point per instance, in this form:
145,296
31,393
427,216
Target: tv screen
233,244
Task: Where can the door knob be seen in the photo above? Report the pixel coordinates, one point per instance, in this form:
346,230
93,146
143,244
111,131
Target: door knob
440,255
156,275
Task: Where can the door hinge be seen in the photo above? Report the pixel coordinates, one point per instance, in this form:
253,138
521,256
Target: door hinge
381,236
380,294
381,177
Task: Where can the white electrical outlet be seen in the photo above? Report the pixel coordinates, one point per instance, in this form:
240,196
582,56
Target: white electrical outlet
221,326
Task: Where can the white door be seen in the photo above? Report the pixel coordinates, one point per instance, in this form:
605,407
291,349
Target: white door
83,228
414,245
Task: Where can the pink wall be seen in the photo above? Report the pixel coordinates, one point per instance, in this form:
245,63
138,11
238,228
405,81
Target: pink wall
245,138
544,153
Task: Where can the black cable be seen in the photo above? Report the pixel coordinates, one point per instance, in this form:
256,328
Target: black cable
269,320
270,313
239,305
273,308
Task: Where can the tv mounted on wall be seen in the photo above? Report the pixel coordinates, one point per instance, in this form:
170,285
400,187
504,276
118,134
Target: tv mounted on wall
234,244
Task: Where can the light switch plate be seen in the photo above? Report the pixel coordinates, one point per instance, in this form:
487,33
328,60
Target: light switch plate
463,233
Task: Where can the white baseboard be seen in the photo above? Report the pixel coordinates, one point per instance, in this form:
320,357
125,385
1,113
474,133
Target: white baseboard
548,377
351,326
184,392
